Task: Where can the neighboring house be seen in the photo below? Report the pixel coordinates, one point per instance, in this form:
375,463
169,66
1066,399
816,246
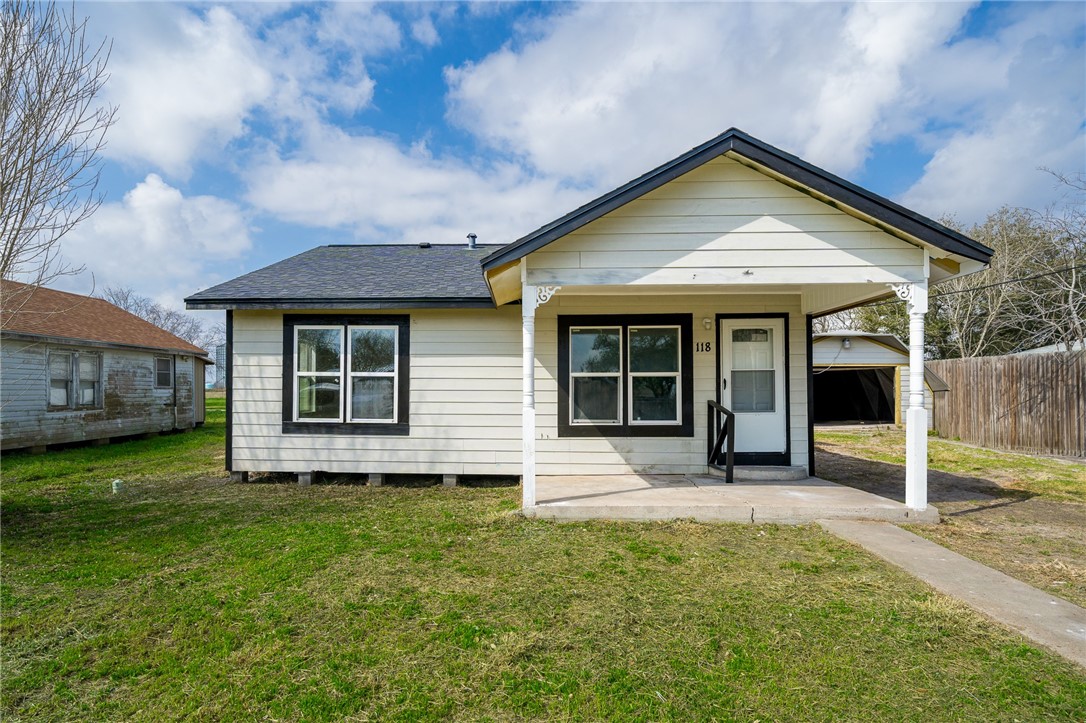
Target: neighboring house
861,377
74,368
594,345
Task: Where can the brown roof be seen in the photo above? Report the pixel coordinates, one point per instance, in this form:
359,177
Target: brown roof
38,311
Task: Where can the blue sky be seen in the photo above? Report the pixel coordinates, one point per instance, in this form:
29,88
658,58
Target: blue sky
247,133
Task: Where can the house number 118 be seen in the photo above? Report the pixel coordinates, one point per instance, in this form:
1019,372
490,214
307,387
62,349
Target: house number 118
703,346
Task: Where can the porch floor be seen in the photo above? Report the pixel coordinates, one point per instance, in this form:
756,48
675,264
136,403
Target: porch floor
710,499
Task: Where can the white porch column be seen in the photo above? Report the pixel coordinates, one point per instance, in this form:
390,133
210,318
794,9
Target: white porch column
916,417
531,298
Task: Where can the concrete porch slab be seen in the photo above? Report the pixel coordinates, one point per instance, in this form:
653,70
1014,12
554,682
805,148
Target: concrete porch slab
709,499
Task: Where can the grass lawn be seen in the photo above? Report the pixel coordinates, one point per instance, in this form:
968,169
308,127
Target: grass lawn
190,597
1018,513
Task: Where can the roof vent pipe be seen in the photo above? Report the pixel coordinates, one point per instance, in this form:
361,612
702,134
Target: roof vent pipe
471,240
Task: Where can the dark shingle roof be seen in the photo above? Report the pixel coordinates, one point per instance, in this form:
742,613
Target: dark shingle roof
359,277
40,312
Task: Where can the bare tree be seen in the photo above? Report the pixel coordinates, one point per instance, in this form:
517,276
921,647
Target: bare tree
178,323
54,128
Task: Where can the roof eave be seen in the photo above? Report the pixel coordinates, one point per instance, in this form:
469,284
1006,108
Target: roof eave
270,303
74,341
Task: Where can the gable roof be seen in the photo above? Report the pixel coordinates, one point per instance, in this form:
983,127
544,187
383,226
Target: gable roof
736,142
40,312
370,276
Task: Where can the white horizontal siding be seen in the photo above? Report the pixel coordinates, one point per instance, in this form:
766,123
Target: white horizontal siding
465,401
724,223
466,396
830,351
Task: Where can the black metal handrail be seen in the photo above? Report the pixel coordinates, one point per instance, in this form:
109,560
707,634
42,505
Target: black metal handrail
718,435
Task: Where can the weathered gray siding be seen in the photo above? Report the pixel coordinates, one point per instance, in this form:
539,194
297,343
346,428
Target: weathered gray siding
130,403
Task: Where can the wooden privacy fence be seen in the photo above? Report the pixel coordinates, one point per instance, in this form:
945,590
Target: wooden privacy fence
1027,403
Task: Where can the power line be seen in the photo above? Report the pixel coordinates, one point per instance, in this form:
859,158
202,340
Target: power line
987,286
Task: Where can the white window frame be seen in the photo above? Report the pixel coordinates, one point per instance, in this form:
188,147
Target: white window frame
169,385
676,375
352,375
588,375
298,375
73,381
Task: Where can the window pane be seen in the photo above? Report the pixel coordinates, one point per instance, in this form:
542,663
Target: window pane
163,369
87,393
88,367
319,350
654,399
752,348
654,350
373,350
753,391
594,350
595,399
318,398
60,371
372,398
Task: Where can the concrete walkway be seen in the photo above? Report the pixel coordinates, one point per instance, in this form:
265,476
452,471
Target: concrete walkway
1050,621
709,499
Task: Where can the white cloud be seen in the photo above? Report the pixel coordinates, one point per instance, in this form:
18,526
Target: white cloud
1025,108
188,81
181,81
423,30
158,241
602,93
381,193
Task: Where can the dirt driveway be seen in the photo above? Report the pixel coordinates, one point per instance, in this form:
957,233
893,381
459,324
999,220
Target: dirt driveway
1003,514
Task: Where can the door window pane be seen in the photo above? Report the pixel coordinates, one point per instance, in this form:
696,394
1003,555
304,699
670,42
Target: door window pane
318,398
373,350
753,391
752,349
319,350
595,350
654,350
654,399
372,398
595,399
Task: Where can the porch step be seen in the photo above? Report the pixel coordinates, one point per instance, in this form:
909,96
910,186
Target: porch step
762,473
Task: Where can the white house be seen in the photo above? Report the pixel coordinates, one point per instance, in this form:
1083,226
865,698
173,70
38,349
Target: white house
863,377
597,344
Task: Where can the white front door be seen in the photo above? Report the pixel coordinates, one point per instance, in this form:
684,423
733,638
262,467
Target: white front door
752,383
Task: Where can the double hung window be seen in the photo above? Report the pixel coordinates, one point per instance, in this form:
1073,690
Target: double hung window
75,380
625,375
345,374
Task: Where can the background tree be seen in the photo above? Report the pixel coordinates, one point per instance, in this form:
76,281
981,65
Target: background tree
54,128
1031,295
178,323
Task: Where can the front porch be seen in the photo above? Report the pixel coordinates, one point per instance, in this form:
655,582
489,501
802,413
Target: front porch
706,498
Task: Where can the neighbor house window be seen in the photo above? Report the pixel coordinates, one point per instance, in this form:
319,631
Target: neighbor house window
163,372
75,380
345,374
625,375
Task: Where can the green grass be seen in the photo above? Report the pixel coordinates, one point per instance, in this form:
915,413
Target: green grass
1048,477
190,597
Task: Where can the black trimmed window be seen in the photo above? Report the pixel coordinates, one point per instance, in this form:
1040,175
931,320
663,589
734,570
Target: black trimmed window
163,372
346,374
625,375
75,380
